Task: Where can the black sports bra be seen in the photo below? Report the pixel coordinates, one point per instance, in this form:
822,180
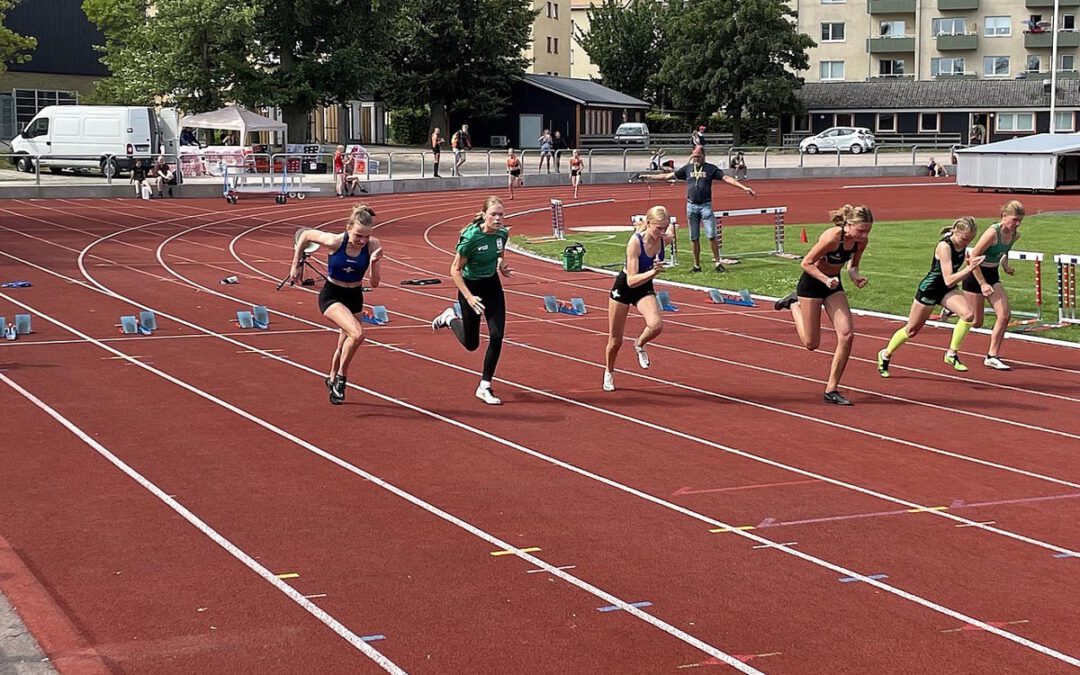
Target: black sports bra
841,255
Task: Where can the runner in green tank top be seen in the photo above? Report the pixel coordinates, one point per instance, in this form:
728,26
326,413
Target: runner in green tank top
938,287
985,283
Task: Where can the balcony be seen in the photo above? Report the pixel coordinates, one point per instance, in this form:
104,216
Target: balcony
1049,4
957,5
895,6
885,45
889,77
967,75
957,43
1066,39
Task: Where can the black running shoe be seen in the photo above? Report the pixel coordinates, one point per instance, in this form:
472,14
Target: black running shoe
836,398
787,301
337,390
719,267
329,382
695,269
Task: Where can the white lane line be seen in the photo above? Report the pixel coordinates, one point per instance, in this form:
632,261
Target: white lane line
201,525
375,480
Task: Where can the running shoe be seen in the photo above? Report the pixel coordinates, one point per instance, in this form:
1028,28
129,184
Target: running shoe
787,301
487,396
695,269
609,381
337,390
329,383
946,313
836,398
954,361
642,357
444,319
995,363
883,364
719,266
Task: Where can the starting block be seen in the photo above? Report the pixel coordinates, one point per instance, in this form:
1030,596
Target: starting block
260,317
245,319
576,306
376,316
22,324
665,302
742,299
129,325
147,322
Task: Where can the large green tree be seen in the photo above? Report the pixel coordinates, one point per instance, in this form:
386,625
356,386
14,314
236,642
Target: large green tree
625,42
14,48
460,57
738,56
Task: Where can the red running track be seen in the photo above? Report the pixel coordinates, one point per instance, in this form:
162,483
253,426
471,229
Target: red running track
754,520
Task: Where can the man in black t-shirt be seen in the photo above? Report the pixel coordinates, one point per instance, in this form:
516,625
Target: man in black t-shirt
699,176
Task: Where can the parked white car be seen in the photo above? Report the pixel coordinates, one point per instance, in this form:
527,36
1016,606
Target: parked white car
839,139
632,132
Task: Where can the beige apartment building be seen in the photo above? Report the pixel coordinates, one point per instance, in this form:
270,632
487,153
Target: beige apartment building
580,64
860,40
549,53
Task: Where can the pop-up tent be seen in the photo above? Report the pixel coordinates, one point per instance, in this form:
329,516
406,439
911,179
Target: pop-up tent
233,118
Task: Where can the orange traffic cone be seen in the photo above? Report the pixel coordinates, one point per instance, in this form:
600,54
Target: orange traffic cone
802,236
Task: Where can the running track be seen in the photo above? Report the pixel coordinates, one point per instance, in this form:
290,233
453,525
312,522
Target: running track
155,487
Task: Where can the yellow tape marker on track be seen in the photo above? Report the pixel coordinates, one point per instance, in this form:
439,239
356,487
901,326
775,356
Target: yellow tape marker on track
721,530
924,509
531,549
289,575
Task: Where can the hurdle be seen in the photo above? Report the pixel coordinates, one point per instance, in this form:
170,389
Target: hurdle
1030,321
558,225
778,232
1066,283
673,248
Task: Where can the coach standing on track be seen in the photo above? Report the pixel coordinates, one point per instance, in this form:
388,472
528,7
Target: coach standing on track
699,176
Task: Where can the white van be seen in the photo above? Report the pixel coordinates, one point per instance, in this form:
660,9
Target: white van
95,137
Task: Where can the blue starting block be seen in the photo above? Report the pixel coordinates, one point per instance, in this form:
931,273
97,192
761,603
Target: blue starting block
147,322
22,324
664,298
576,306
260,317
376,316
742,299
129,325
245,319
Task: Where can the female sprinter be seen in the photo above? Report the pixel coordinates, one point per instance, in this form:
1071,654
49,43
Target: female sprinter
341,299
634,286
993,246
938,287
513,172
575,170
479,257
820,286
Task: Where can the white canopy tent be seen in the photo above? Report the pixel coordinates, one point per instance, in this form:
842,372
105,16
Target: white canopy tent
234,118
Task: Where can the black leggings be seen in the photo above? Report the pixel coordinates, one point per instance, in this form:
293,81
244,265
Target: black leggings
467,328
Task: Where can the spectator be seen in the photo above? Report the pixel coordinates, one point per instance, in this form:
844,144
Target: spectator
228,139
697,138
738,166
138,178
654,161
558,144
164,176
436,149
460,143
936,169
187,137
339,171
545,142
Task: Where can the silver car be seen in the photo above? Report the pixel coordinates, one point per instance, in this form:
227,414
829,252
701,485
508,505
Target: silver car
632,132
839,139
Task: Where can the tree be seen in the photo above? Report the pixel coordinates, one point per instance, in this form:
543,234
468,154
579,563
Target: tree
625,41
460,56
738,56
14,48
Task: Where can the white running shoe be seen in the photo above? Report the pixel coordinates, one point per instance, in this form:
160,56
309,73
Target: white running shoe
609,381
642,357
487,396
995,363
444,319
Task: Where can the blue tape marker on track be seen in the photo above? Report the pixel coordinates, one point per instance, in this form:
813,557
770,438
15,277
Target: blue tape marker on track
373,638
615,608
876,577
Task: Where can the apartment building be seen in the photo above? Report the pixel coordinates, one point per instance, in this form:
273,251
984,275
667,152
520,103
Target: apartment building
550,50
581,66
861,40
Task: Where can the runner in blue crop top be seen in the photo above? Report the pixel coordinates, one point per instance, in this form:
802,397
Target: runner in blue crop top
634,286
353,253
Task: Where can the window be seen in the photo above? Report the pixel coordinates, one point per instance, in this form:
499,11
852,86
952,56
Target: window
1016,121
571,55
549,44
891,67
549,11
556,6
1068,22
832,70
997,26
1068,62
1063,121
833,2
842,120
929,122
832,32
29,101
996,66
556,40
40,127
886,122
947,27
946,66
1034,63
892,29
800,123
